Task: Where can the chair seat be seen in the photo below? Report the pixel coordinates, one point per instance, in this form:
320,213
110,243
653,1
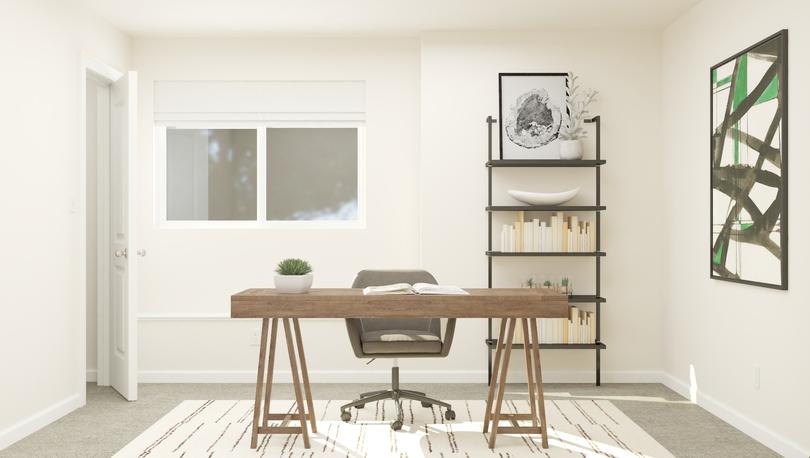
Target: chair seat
392,341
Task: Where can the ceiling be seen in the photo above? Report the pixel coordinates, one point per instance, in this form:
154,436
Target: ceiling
375,17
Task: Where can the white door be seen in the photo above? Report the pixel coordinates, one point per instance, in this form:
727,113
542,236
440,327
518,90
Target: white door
123,324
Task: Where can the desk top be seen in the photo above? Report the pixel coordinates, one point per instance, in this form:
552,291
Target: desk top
351,303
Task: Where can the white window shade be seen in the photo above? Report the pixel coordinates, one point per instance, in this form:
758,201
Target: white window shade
260,100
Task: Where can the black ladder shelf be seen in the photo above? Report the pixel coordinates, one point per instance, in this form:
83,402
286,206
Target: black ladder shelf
597,255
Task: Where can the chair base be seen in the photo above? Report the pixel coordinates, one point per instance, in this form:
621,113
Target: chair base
397,395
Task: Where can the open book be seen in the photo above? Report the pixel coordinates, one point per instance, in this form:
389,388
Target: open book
416,288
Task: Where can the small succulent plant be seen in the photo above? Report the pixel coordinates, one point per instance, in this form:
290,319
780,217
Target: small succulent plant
576,111
293,266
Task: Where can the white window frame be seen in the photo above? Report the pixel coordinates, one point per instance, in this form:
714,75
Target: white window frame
261,127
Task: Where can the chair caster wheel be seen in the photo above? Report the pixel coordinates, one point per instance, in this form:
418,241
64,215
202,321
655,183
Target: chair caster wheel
360,406
346,416
449,415
426,404
396,426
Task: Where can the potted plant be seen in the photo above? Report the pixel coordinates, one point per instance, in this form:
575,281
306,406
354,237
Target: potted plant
572,130
566,286
293,275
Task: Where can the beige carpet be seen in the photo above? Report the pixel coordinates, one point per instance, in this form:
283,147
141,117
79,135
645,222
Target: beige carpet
222,429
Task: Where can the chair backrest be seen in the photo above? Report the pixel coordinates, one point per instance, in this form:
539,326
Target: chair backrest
386,277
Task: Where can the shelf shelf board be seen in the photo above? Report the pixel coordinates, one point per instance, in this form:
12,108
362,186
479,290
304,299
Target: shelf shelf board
585,299
546,163
545,208
491,343
593,254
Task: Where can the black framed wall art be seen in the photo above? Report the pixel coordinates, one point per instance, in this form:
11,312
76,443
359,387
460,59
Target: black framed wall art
749,143
530,110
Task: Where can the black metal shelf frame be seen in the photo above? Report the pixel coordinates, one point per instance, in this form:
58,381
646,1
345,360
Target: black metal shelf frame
585,299
545,162
492,343
596,298
553,254
546,208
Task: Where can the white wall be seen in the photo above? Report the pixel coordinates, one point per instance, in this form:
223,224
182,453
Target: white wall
192,273
726,330
436,196
459,84
42,321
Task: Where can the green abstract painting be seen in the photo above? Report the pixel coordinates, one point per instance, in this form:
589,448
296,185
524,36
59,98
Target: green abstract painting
749,165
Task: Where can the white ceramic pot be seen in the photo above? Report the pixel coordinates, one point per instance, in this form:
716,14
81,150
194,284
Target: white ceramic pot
570,149
293,284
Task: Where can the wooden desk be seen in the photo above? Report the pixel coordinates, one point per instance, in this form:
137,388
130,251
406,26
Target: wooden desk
513,305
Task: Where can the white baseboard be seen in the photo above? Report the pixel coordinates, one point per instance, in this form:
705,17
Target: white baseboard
38,420
376,376
607,377
92,375
757,431
384,376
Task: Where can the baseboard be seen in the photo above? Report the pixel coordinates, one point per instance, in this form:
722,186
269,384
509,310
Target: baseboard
383,376
607,376
39,420
757,431
376,376
92,375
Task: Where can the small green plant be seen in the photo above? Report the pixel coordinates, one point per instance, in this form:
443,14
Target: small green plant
547,283
530,282
564,281
293,266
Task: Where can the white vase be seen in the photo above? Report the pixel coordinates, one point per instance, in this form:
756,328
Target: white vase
293,284
570,149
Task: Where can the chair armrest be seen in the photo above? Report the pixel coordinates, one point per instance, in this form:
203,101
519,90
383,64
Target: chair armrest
449,330
354,329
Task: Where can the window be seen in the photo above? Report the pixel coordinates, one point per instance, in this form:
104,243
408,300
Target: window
242,175
210,174
257,154
311,174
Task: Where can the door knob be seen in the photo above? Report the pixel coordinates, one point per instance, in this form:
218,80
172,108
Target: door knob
142,252
121,253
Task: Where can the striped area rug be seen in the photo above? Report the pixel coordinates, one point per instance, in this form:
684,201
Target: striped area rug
222,429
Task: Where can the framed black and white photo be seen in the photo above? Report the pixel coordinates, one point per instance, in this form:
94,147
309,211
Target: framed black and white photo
531,112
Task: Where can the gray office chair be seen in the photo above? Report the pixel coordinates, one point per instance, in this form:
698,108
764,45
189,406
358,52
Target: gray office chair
397,338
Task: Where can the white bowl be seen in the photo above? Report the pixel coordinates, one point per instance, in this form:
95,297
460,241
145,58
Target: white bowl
544,198
293,284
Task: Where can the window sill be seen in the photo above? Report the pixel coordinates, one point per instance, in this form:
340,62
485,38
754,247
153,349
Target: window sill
252,225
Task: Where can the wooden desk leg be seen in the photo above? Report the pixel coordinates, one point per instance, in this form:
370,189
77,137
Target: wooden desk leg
527,351
257,402
541,404
304,375
302,418
496,415
494,381
271,358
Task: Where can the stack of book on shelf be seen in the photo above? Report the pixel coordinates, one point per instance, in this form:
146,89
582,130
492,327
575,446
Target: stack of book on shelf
560,234
578,328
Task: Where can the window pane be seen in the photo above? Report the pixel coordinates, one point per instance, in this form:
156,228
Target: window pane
210,174
311,174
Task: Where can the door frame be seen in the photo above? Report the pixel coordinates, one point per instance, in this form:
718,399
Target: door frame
91,67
